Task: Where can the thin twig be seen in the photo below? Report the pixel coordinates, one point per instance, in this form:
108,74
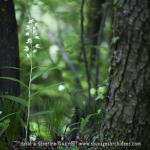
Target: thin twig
83,48
99,40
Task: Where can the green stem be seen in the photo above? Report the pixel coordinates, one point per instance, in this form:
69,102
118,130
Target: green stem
29,101
29,94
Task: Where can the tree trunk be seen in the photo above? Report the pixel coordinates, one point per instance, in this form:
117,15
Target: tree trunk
94,21
127,113
9,53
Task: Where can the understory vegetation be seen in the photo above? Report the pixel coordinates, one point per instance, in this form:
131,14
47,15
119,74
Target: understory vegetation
64,72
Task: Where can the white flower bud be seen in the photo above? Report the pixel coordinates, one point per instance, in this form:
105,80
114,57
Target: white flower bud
34,31
34,51
31,21
28,56
37,45
26,48
27,34
37,37
36,24
28,27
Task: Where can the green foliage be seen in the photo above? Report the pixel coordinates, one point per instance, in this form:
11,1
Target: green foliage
115,2
62,19
41,113
51,123
101,91
30,54
9,122
17,99
59,30
45,89
3,126
13,79
41,72
114,40
83,123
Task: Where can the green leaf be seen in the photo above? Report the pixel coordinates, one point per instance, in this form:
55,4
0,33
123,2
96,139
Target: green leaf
3,129
43,67
41,72
95,137
15,68
62,14
73,124
46,88
16,80
76,128
105,4
6,121
84,121
87,131
82,125
42,113
16,99
115,2
33,126
115,39
8,115
22,121
100,96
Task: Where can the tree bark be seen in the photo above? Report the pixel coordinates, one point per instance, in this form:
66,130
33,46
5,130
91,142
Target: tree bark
9,53
127,113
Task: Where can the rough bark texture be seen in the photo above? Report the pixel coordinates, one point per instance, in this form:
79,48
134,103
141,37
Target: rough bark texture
9,54
127,112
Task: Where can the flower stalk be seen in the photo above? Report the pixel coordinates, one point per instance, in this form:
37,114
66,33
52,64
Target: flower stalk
29,50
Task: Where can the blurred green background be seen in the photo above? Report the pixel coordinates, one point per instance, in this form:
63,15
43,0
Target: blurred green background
60,46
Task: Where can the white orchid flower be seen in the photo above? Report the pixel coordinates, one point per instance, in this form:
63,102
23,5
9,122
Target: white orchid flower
37,37
34,51
37,45
28,27
26,48
31,21
36,24
29,40
34,31
33,34
27,34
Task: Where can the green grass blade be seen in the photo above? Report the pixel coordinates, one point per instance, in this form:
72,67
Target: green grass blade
42,113
46,88
8,115
42,66
16,80
84,121
76,128
15,68
16,99
22,121
41,72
